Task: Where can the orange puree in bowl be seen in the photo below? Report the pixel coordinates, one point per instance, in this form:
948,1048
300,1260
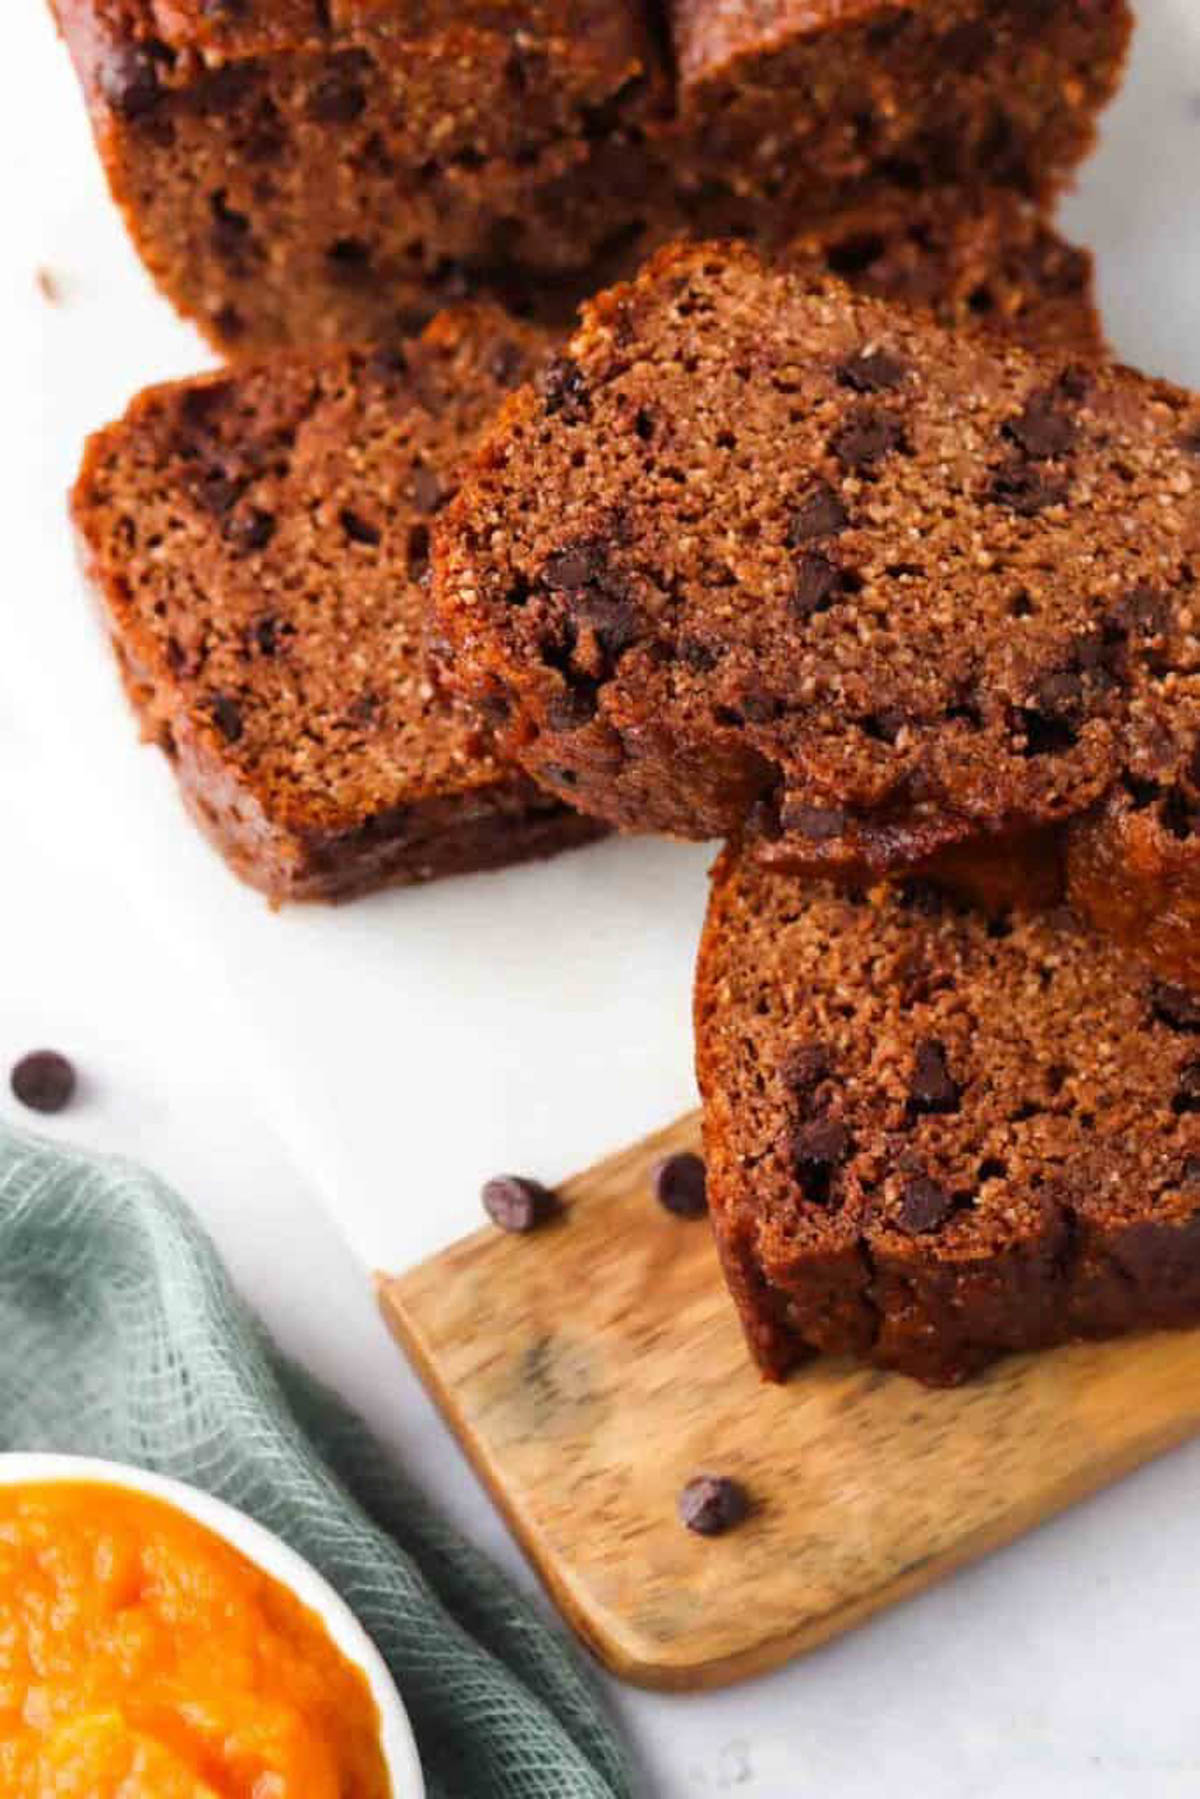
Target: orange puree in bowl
143,1658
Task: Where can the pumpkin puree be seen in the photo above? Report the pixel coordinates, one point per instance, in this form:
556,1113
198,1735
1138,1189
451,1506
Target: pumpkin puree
143,1658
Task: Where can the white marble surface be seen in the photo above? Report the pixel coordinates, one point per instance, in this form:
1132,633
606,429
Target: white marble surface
329,1079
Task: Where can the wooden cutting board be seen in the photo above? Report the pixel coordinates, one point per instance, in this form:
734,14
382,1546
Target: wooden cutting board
591,1368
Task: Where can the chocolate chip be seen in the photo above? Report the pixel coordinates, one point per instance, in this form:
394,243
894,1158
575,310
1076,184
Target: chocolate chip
817,1149
711,1504
575,565
819,514
266,635
215,491
226,715
338,97
696,655
1024,490
818,823
1144,611
348,260
1175,1007
615,620
230,228
417,556
228,323
127,77
565,391
866,438
1041,431
816,583
516,1203
807,1066
1190,1176
1044,733
932,1089
357,528
250,528
924,1205
44,1081
680,1185
757,706
966,46
387,363
429,492
872,372
1187,1093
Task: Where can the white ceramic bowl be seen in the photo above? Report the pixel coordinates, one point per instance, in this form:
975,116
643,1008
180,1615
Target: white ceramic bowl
274,1558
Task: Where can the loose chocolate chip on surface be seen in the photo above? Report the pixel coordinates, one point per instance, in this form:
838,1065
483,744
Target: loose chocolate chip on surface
819,514
932,1088
924,1205
226,715
679,1185
711,1504
44,1081
866,438
516,1203
1175,1007
872,372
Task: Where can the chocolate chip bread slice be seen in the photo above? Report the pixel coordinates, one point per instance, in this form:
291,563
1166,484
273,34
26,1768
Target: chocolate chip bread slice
296,172
821,102
932,1137
760,554
259,542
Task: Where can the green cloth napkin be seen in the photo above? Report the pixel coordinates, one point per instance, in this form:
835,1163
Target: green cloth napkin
120,1336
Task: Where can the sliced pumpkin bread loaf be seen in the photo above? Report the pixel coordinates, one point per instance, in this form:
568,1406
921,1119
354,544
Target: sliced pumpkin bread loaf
759,555
259,541
934,1136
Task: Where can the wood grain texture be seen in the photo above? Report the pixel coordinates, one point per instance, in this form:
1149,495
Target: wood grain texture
590,1369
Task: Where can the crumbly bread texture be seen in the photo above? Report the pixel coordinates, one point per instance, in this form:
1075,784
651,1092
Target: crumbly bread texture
295,172
259,541
933,1137
895,96
761,555
308,171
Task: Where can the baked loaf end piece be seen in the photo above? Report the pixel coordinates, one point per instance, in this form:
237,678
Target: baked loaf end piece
762,554
259,543
932,1138
997,266
826,101
298,173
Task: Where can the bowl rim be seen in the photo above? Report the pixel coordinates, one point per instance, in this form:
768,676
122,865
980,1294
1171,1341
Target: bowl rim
272,1556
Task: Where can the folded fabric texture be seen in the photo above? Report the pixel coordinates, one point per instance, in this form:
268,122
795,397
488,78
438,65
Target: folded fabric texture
121,1336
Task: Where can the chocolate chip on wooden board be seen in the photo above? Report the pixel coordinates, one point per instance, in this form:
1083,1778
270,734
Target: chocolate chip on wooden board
516,1203
44,1081
711,1504
680,1185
